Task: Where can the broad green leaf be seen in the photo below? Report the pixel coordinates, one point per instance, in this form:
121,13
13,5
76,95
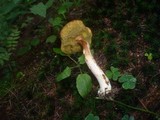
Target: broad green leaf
81,59
91,117
64,74
62,10
115,72
35,42
67,5
84,84
58,51
49,3
39,9
56,21
64,7
109,74
51,39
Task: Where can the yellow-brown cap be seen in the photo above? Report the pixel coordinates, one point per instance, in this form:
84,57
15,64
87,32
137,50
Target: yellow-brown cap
70,32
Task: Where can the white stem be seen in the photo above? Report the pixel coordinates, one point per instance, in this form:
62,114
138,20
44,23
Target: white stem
104,83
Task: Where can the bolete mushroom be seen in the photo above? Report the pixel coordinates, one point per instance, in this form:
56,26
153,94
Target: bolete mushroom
76,37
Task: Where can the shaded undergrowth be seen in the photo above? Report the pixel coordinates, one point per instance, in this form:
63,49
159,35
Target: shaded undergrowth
122,33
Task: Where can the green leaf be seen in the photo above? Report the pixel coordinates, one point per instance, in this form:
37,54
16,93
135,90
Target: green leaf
4,56
49,3
91,117
58,51
64,74
146,54
20,75
39,9
67,5
126,78
128,81
35,42
9,7
125,117
81,59
128,85
23,50
16,1
109,74
150,57
115,72
1,62
131,118
64,7
51,39
56,21
62,10
84,84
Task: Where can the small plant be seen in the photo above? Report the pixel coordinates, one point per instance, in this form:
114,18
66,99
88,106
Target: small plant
149,56
9,45
127,117
58,20
113,74
128,81
41,8
62,10
64,74
83,81
4,56
90,116
28,45
20,75
51,39
9,32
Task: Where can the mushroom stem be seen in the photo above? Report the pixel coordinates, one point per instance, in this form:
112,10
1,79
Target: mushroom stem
104,83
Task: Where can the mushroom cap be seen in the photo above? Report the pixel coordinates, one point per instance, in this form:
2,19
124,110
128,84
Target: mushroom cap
70,32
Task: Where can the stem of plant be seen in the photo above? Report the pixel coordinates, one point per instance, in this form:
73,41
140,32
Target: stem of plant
78,65
135,108
73,60
104,83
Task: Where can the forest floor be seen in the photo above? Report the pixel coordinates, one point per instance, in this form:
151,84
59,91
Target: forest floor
35,95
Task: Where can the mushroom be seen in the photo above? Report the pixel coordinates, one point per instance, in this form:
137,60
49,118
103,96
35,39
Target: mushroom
76,37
